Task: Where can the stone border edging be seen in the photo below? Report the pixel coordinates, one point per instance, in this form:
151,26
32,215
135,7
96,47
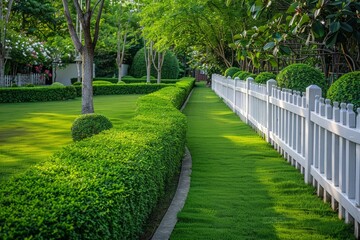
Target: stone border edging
168,222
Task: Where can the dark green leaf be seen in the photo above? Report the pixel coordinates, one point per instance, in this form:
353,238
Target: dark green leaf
318,29
285,50
330,42
334,27
346,27
269,45
292,7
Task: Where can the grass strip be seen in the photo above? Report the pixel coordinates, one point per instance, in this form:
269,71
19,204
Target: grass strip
30,132
241,188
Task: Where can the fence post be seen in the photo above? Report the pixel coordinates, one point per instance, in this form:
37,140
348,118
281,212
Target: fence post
311,92
357,198
249,80
270,84
235,86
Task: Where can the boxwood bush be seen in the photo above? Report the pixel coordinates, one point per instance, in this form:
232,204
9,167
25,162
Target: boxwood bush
88,125
103,187
346,89
37,94
263,77
231,71
300,76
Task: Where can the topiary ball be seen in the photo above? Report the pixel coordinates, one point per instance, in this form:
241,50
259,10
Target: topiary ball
88,125
121,82
245,75
264,77
237,74
299,76
346,89
231,71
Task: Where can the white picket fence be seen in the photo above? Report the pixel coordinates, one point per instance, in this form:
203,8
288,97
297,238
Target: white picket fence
23,79
321,140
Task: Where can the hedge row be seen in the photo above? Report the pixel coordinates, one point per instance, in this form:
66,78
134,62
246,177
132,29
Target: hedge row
36,94
116,89
103,187
130,80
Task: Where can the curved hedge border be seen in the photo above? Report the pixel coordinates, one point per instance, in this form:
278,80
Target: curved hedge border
37,94
103,187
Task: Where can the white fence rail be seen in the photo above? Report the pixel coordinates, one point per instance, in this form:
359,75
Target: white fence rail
24,79
321,140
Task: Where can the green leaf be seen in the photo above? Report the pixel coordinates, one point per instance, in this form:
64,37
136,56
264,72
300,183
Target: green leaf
330,42
292,7
334,27
346,27
304,19
269,45
285,50
318,29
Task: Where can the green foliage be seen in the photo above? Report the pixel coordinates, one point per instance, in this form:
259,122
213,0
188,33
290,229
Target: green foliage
102,82
346,89
145,77
237,74
76,84
103,187
121,82
231,71
244,75
117,89
38,94
29,85
88,125
300,76
57,84
170,69
263,77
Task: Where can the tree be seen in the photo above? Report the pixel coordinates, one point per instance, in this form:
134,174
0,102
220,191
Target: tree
86,49
4,20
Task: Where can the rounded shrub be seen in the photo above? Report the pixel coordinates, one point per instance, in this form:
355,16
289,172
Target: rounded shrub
237,74
231,71
102,83
245,75
151,77
170,68
346,89
76,84
88,125
264,77
299,76
29,85
57,84
121,82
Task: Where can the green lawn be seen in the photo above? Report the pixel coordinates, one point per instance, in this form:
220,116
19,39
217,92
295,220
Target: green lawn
243,189
30,132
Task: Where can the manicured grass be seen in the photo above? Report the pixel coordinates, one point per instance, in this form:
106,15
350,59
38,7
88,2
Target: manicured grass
30,132
243,189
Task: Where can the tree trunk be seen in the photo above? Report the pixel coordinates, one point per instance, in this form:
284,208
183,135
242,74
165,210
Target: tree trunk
2,70
87,78
120,73
148,66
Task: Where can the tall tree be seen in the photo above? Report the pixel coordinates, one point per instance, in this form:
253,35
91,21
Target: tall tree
90,31
4,20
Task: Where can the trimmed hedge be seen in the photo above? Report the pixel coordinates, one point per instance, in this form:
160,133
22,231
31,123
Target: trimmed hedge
117,89
103,187
231,71
37,94
88,125
127,79
263,77
299,76
346,89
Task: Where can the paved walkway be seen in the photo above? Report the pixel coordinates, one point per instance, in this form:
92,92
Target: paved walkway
241,188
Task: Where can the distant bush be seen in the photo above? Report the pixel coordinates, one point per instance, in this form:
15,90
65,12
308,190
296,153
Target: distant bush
121,82
263,77
231,71
170,69
88,125
38,94
29,85
103,187
151,77
300,76
57,84
346,89
76,84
